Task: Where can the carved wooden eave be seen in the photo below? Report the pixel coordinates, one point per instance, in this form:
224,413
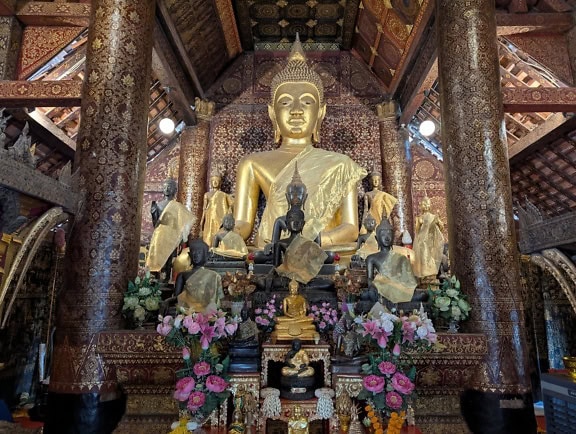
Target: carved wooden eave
548,233
24,179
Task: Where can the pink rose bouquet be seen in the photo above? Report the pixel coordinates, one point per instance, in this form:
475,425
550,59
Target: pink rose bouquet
202,383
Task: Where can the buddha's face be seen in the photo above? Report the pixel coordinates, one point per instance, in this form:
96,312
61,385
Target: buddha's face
376,181
295,224
385,237
425,205
215,182
228,222
370,224
169,189
296,110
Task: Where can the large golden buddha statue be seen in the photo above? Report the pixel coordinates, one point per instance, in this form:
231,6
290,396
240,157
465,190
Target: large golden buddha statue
297,111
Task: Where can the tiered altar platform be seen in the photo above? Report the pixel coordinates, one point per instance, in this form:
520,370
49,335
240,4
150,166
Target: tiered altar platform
145,367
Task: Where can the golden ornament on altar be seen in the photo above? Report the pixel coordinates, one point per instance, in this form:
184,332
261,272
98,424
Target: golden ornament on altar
294,322
298,423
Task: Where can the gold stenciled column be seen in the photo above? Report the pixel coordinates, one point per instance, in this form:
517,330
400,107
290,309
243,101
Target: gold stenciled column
105,240
194,152
396,167
480,220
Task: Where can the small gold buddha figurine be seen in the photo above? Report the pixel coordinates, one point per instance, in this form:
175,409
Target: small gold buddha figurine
228,243
297,363
237,426
298,423
428,242
378,202
297,111
216,205
294,322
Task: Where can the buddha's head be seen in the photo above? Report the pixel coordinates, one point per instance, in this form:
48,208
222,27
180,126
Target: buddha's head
297,107
375,180
198,251
296,191
370,223
169,188
215,182
228,222
425,204
295,220
293,287
384,234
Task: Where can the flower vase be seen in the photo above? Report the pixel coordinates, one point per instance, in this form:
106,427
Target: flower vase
453,326
344,420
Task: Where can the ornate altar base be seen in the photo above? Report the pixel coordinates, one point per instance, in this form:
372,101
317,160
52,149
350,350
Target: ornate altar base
145,368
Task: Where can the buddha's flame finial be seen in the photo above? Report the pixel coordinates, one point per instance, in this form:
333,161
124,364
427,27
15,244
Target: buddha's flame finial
297,52
296,179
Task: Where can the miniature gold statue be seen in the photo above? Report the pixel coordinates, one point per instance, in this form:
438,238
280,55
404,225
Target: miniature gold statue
294,322
228,243
297,363
216,205
298,423
172,222
377,202
237,426
428,242
390,272
297,111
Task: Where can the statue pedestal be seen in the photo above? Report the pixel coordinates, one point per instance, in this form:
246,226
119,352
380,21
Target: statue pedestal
441,377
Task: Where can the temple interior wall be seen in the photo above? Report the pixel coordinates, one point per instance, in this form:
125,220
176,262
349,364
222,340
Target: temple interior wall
241,126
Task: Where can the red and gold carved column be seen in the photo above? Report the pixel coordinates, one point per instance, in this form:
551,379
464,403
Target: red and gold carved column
396,168
480,220
105,239
194,153
10,42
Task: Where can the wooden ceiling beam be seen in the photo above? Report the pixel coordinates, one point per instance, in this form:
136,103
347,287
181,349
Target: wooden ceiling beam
511,24
550,131
172,34
48,133
63,93
168,70
37,13
541,99
7,8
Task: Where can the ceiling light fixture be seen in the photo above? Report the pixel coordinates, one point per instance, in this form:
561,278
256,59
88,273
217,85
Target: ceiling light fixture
427,128
167,126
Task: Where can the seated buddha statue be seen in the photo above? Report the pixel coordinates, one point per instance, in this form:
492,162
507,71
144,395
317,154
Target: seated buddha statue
297,111
227,243
294,322
366,244
298,423
378,202
390,273
297,363
199,289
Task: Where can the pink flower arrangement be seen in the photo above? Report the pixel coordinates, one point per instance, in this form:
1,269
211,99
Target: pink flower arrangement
389,381
203,383
266,316
325,317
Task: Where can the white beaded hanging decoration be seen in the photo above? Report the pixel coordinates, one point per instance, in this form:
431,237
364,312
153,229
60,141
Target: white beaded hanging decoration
271,407
324,406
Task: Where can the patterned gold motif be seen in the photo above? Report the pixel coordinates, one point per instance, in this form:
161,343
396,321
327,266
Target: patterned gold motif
104,249
194,145
38,93
226,14
396,168
481,228
10,39
54,13
39,44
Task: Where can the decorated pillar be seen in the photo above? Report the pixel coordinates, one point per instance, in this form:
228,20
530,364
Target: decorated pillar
483,248
105,239
194,153
571,39
10,42
396,167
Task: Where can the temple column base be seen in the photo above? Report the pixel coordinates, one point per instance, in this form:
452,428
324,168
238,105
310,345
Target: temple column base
498,413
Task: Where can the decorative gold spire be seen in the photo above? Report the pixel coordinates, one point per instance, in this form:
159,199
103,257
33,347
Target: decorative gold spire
297,70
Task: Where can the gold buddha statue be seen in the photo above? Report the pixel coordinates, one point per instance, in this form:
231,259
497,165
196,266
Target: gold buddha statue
297,111
216,205
294,323
428,242
298,423
297,363
228,243
378,202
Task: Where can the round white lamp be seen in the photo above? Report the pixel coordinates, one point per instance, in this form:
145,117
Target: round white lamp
427,128
167,126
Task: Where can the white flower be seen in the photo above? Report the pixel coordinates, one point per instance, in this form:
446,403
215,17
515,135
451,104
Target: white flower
464,305
178,321
387,325
139,313
130,302
452,293
144,291
422,331
456,312
192,425
151,303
